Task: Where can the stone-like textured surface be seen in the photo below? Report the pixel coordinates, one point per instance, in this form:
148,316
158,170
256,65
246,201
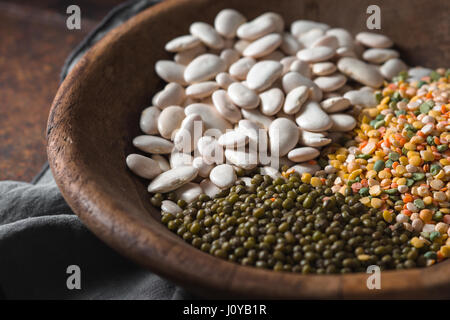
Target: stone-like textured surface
34,42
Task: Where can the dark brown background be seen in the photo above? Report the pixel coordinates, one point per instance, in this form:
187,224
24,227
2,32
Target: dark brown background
34,42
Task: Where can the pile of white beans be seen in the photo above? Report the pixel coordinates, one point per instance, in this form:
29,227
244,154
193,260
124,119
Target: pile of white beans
254,81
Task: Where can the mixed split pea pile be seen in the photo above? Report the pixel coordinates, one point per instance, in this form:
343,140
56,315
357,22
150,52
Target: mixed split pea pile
362,140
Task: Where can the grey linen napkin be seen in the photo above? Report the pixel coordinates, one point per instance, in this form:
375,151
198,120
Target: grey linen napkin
40,237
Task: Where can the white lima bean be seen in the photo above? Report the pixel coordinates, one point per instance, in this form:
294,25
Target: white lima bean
233,139
180,159
241,84
323,68
172,95
335,104
392,67
300,27
240,68
345,39
376,55
228,21
185,138
169,120
287,63
210,117
182,43
223,176
283,134
142,166
271,101
210,150
330,83
170,71
292,80
313,139
162,162
316,54
312,118
302,168
207,34
241,159
189,192
263,74
243,96
202,89
327,40
203,167
172,179
256,28
290,44
374,40
204,67
186,56
153,144
230,56
258,117
224,80
295,99
263,46
209,188
170,206
303,154
309,37
301,67
225,106
149,120
342,122
360,71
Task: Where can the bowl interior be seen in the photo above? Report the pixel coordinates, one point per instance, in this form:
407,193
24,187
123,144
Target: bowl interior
96,112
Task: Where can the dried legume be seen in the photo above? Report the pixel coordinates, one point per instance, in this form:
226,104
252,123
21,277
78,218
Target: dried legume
422,184
365,174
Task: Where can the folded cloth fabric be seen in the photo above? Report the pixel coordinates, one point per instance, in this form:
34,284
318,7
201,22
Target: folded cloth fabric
40,237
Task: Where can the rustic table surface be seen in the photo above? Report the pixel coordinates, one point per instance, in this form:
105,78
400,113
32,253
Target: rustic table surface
34,42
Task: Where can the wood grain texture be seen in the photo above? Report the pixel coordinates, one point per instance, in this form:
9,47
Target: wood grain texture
95,115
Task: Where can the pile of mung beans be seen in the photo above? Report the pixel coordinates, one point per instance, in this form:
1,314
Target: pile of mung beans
293,224
361,143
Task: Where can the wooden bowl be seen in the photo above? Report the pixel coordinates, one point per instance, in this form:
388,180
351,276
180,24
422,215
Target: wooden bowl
96,112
